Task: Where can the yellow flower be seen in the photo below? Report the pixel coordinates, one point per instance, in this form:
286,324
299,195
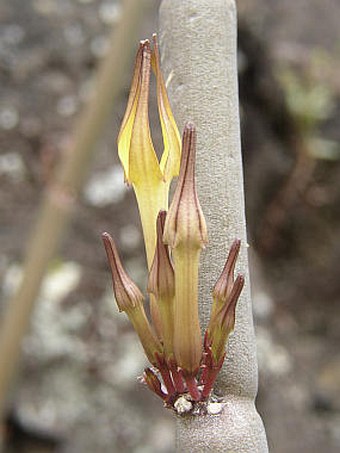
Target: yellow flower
149,178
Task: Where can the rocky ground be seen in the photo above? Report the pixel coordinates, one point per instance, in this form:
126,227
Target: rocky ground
77,389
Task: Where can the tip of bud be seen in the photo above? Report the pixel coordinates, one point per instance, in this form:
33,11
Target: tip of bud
190,126
234,295
144,43
225,283
185,221
126,292
227,311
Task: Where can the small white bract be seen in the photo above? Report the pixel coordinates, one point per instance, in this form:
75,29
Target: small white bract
214,408
182,405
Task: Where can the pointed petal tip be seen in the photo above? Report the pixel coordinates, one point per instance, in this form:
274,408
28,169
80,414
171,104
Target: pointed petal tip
126,292
237,244
225,282
170,160
110,246
105,236
234,250
144,43
185,221
190,126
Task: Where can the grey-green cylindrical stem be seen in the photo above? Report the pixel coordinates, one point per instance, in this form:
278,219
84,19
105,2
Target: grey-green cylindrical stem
198,43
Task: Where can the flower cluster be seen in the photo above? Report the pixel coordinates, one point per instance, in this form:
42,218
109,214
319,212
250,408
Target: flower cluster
174,236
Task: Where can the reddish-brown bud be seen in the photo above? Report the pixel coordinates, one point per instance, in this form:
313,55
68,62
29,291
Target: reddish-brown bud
225,293
225,283
126,292
151,380
185,224
186,232
129,299
161,277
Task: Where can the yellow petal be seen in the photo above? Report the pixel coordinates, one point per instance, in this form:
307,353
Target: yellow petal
171,156
124,136
143,163
135,148
138,156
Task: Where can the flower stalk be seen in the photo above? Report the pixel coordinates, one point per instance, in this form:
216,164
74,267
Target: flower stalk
186,233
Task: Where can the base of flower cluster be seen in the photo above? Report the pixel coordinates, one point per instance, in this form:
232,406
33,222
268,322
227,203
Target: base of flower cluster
185,406
179,390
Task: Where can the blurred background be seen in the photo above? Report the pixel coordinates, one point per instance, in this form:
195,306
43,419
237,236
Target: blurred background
76,389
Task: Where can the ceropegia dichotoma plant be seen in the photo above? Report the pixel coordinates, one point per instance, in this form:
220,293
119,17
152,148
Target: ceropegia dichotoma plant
181,363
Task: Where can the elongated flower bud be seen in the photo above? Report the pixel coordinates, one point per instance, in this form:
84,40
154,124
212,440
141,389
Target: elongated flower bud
127,294
186,233
130,299
224,321
225,294
225,283
162,285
